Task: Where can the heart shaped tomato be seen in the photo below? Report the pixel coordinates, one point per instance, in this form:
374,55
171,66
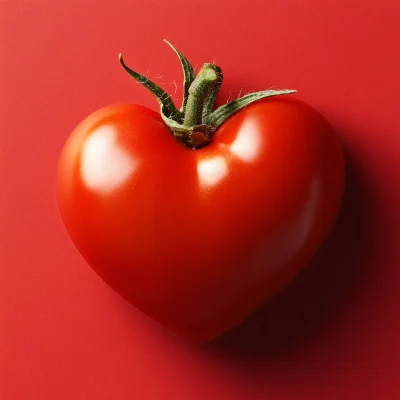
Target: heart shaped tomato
197,217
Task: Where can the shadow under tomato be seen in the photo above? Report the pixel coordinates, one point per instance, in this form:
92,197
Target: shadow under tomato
298,313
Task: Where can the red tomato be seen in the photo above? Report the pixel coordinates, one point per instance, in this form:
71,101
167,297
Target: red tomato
198,239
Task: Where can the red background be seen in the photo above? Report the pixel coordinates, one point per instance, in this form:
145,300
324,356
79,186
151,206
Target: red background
333,334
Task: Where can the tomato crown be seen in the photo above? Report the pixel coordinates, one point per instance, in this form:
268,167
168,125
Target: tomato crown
196,121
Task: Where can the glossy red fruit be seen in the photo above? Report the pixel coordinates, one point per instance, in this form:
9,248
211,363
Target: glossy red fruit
199,239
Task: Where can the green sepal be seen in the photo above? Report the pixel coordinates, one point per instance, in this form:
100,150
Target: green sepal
188,75
221,114
168,108
170,115
196,123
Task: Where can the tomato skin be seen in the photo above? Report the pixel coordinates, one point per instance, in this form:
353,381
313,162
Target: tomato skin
198,239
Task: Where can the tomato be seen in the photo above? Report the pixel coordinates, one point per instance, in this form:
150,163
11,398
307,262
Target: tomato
198,216
199,239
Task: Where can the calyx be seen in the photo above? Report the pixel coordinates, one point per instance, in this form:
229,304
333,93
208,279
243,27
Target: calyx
196,121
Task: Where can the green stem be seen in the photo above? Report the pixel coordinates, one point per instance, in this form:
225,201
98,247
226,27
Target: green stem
196,122
210,99
207,79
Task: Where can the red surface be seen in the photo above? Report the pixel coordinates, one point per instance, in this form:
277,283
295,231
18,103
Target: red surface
333,334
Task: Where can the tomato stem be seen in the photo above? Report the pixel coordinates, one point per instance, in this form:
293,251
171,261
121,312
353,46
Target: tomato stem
196,122
210,99
207,79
